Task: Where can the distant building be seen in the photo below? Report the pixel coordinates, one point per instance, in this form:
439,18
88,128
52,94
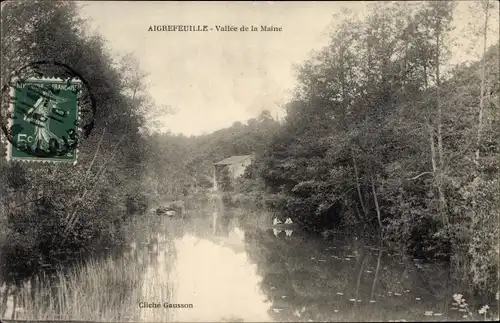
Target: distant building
232,168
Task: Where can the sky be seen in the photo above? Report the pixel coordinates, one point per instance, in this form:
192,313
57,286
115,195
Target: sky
215,78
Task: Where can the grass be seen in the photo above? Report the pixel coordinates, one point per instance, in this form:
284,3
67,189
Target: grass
99,289
104,290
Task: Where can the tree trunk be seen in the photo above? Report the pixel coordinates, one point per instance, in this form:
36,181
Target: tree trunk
483,81
433,149
376,204
437,173
431,135
438,104
442,199
358,215
358,186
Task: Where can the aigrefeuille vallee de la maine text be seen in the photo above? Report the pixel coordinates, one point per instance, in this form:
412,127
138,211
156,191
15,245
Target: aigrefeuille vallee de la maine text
214,28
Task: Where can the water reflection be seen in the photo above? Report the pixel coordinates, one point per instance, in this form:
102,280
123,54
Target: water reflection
212,274
229,271
282,233
345,280
219,280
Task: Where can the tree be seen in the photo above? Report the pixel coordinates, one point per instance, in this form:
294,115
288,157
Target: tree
378,135
486,5
69,209
136,89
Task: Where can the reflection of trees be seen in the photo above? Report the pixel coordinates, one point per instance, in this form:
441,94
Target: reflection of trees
297,271
360,276
221,215
377,270
305,273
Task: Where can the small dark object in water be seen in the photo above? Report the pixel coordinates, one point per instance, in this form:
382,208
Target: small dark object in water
162,210
166,211
172,209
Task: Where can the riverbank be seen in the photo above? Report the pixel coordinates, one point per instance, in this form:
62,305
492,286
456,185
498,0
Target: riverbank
296,272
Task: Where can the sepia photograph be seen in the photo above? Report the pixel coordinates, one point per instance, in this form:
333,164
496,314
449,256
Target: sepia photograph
249,161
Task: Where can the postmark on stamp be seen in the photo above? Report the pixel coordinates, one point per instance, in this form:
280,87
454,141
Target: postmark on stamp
46,108
44,119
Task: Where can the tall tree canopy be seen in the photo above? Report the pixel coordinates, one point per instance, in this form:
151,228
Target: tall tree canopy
379,136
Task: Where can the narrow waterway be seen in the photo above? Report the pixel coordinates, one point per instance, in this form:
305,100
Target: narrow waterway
191,270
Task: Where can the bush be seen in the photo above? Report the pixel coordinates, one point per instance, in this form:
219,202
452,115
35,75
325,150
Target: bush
136,203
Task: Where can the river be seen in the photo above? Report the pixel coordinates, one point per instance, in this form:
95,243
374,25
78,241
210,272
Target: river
188,271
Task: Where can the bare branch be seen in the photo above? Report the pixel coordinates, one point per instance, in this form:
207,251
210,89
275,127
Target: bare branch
422,174
95,153
73,219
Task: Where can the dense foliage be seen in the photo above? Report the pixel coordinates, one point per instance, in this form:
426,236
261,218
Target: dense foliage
180,165
54,211
382,135
379,137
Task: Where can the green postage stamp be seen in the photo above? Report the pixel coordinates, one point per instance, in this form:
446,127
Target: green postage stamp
44,120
